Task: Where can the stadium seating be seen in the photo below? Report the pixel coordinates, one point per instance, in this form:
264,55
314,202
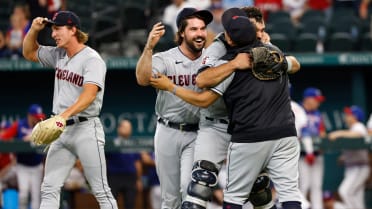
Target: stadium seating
281,41
316,26
340,42
278,16
305,42
366,42
311,14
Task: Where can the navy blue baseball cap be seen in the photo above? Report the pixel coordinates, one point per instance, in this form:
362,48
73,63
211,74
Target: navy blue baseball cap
237,25
36,111
187,12
356,111
63,18
315,93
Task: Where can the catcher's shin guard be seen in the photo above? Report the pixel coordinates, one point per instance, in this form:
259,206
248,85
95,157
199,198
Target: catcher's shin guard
200,190
260,196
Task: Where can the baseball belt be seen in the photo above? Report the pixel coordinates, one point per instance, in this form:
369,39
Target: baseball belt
179,126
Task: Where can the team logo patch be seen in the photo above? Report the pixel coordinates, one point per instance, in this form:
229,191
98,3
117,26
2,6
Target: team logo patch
205,59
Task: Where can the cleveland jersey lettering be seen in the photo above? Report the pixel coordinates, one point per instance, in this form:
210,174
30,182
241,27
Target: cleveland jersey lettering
69,76
183,80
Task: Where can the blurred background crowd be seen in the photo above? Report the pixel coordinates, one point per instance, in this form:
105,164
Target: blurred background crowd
118,28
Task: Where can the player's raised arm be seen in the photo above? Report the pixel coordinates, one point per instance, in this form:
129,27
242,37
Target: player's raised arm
144,64
30,44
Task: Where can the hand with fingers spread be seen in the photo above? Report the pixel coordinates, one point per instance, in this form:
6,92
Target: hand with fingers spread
156,33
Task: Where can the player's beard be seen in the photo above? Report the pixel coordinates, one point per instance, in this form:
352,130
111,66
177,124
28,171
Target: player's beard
193,45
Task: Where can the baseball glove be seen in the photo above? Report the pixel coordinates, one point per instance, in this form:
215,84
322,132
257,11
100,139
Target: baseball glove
268,63
47,131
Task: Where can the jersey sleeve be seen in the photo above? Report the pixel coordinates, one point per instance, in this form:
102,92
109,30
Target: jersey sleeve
221,87
10,132
359,128
212,55
158,64
47,56
95,72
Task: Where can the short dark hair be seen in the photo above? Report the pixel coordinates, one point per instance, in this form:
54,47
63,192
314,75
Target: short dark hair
253,12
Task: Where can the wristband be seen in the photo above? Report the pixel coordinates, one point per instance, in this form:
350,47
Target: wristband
174,89
289,64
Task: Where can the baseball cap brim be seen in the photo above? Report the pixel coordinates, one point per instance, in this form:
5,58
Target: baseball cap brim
49,23
205,15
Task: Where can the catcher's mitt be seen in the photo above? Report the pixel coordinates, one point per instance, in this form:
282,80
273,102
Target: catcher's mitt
268,64
47,131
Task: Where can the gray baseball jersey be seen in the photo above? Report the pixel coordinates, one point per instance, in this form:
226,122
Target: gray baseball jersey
182,71
174,148
84,140
213,140
71,74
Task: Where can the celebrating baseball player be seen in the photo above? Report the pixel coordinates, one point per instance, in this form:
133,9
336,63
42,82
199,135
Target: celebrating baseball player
212,141
78,93
177,125
246,126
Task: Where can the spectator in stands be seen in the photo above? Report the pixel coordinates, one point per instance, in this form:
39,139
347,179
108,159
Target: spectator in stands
29,165
200,4
227,4
171,11
4,51
19,25
124,166
311,164
324,6
148,160
268,6
295,8
215,27
356,161
365,8
55,6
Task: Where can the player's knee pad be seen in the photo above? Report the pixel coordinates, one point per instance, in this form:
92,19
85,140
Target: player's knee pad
261,193
200,190
205,173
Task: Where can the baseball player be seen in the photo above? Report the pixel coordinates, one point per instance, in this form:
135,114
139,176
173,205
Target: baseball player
29,166
263,132
78,93
177,120
352,187
211,78
212,141
311,164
